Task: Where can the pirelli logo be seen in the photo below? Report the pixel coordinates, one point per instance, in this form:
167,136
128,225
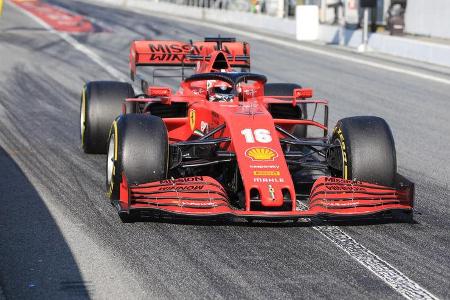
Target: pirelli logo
266,173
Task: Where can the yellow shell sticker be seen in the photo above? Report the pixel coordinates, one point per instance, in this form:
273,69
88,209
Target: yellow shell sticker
261,154
192,119
266,173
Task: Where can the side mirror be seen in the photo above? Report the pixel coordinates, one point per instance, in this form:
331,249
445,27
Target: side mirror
303,93
157,91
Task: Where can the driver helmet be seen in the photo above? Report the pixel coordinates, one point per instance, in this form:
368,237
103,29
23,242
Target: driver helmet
220,93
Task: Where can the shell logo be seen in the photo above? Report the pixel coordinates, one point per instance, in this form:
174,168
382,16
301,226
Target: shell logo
261,154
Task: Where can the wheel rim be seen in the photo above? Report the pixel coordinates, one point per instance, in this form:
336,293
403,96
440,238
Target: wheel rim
83,116
336,158
110,159
341,158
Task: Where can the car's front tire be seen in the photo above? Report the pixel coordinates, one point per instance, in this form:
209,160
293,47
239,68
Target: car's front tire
364,150
137,147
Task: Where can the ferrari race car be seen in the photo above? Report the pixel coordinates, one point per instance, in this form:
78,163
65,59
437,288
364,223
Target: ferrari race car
229,144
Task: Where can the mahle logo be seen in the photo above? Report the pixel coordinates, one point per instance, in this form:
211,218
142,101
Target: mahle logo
261,154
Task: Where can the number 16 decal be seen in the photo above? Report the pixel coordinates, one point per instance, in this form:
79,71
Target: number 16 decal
258,135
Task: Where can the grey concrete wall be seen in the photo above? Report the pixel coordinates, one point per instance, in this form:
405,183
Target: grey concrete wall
259,22
438,54
428,17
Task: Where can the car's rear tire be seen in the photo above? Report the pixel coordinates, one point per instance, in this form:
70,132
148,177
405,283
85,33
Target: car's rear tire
287,89
101,103
137,147
366,152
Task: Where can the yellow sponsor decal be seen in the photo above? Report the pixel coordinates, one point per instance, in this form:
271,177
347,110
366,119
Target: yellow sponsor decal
192,118
266,173
1,7
261,154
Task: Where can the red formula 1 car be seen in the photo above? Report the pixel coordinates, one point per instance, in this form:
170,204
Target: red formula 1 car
227,143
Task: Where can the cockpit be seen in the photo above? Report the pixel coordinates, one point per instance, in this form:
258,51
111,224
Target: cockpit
226,86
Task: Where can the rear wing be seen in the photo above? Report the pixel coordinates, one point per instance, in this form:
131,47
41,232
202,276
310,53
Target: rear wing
181,54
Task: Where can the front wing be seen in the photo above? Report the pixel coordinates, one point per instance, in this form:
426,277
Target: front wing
202,196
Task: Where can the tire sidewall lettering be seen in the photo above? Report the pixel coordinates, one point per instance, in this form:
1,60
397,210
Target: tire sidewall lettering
344,150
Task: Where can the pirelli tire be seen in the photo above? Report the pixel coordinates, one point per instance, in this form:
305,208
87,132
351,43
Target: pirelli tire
367,150
137,147
101,103
287,89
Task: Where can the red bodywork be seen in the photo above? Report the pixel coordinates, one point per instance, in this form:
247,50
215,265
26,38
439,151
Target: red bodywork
260,160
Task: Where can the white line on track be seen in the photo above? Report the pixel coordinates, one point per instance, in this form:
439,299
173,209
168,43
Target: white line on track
382,269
